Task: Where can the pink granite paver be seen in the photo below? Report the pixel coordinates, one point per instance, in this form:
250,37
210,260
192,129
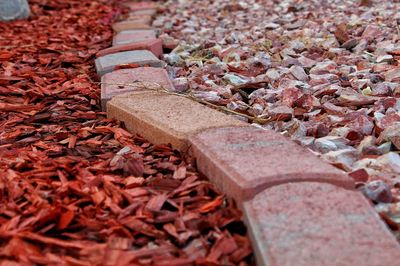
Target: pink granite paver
144,12
130,25
144,18
243,161
134,36
155,46
141,78
144,5
316,224
164,118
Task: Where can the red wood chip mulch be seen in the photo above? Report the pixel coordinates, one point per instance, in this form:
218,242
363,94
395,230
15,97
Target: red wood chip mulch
75,187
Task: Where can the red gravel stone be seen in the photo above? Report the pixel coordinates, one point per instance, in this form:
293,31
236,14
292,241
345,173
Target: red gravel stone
155,46
134,36
243,161
148,76
314,224
130,25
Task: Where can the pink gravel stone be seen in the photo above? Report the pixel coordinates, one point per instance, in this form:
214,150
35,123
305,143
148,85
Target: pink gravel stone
315,224
371,32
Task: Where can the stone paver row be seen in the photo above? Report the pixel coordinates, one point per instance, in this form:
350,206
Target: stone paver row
299,210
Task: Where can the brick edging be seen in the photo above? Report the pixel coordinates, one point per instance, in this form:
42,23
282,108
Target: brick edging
282,188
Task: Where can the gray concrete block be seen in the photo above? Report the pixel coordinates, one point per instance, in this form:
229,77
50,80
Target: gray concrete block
108,63
14,9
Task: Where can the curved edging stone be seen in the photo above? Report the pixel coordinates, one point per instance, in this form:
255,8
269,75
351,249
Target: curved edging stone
155,46
137,24
137,79
164,118
314,224
140,6
243,161
133,36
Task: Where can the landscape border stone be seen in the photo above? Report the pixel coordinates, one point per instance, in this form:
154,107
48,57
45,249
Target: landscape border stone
164,118
136,6
141,78
130,25
134,36
108,63
244,161
312,224
155,46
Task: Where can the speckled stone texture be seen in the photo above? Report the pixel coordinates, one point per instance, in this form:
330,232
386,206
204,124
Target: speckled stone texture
144,5
107,63
144,12
14,9
244,161
134,36
164,118
315,224
141,78
155,46
137,24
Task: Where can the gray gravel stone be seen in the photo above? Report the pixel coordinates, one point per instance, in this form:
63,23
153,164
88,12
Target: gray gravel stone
13,9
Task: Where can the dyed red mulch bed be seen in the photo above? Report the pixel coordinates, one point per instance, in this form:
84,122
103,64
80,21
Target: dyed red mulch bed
75,187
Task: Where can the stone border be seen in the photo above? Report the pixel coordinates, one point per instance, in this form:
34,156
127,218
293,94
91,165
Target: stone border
298,209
